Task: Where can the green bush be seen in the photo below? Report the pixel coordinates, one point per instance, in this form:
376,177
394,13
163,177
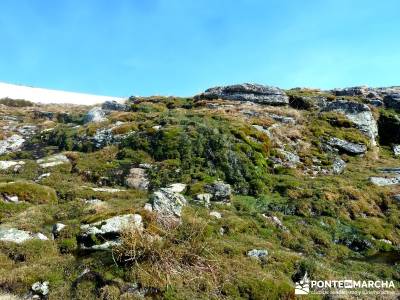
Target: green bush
201,144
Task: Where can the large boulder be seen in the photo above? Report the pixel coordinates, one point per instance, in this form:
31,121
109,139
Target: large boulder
95,115
219,190
137,179
384,181
392,101
53,160
104,234
347,147
7,164
19,236
168,201
256,93
11,144
358,91
114,105
358,113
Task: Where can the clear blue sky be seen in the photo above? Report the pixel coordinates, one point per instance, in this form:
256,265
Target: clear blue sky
182,47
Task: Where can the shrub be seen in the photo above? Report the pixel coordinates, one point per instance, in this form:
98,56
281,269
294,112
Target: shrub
15,102
201,144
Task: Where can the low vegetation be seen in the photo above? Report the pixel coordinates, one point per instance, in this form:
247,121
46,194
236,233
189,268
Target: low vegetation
328,225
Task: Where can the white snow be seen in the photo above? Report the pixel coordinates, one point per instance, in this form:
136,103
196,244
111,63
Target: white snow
39,95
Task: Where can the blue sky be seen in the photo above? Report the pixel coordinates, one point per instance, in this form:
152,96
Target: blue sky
181,47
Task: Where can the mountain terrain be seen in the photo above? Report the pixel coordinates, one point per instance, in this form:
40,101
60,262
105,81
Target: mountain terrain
235,193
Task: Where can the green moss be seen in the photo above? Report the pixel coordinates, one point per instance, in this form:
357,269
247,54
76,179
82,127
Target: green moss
29,191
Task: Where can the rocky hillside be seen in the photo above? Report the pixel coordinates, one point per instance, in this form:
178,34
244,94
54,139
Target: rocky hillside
235,193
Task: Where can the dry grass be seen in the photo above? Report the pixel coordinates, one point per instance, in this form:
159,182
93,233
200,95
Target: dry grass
9,297
162,255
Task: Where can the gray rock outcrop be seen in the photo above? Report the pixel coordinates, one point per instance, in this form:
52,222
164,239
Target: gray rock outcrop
219,190
114,105
392,101
53,160
19,236
256,93
384,181
107,231
7,164
358,113
168,201
11,144
347,147
137,179
95,115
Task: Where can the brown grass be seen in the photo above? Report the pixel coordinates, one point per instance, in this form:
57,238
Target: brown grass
162,255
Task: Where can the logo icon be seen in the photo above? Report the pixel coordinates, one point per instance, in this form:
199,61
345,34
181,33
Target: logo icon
303,286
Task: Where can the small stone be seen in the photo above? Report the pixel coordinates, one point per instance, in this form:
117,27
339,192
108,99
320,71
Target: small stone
396,150
148,207
216,214
94,201
43,176
385,241
13,199
258,253
338,165
57,228
107,190
275,220
41,236
41,288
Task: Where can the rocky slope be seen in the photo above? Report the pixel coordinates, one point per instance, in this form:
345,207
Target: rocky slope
235,193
